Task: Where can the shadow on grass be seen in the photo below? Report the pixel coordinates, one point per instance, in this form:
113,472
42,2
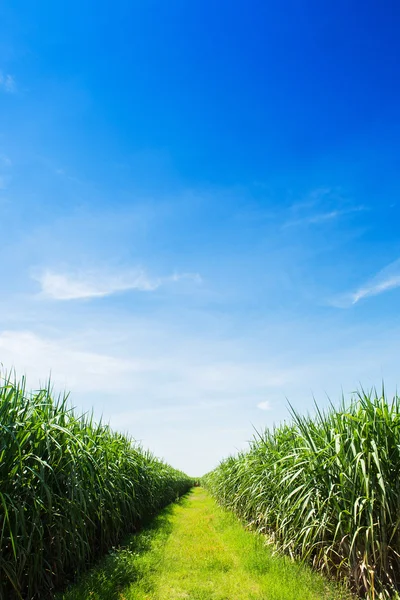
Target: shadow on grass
133,561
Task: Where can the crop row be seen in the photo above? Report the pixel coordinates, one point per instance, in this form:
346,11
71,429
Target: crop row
326,489
69,490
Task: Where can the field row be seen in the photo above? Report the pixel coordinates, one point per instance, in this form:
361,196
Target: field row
326,489
70,489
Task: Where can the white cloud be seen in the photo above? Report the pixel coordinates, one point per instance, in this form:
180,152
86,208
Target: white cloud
264,405
158,371
323,217
7,83
60,286
385,280
196,277
320,206
69,366
334,214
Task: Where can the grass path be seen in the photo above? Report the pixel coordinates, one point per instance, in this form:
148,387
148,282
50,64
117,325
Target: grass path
197,551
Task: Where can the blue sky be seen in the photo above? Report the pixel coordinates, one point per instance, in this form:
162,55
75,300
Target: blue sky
200,210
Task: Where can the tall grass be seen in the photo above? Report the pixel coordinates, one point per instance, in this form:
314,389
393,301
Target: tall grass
326,489
69,490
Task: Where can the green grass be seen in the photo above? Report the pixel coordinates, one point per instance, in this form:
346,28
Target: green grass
198,551
326,489
70,489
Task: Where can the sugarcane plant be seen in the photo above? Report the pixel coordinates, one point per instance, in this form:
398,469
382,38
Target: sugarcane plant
70,489
326,489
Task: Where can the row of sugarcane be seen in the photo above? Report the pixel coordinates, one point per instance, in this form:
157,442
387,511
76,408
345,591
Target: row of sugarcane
70,489
326,489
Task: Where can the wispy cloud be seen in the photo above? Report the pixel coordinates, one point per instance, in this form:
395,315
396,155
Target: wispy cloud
322,217
314,198
387,279
196,277
264,405
68,365
173,374
328,216
7,83
322,205
62,286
